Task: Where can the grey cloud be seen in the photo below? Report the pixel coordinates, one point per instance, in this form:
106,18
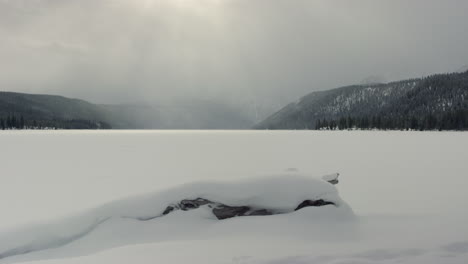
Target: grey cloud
266,52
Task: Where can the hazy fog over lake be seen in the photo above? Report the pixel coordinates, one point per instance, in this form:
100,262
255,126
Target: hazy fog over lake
263,52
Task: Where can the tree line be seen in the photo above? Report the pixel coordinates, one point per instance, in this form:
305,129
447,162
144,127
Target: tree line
12,122
15,122
453,120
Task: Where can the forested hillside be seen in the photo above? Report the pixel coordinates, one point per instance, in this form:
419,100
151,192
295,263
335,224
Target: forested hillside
30,111
438,102
33,111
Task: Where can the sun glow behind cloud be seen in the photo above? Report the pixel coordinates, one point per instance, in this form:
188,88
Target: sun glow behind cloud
195,6
277,50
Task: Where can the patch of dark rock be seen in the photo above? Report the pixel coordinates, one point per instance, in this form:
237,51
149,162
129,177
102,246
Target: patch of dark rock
334,182
225,212
260,212
168,210
193,204
311,203
222,211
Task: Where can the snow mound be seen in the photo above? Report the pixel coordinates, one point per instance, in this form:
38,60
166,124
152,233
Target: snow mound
331,178
285,193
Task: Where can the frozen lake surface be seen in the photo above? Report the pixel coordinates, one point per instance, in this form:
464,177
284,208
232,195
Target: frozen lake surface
407,190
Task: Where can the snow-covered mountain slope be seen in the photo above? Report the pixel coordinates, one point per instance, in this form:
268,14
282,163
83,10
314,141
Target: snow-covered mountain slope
395,104
136,218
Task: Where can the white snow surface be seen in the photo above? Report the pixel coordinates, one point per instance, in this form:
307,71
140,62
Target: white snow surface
331,177
279,193
407,191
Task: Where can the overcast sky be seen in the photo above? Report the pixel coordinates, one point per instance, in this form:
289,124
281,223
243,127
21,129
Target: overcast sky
271,51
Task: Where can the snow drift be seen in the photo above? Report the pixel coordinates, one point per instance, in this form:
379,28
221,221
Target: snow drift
277,194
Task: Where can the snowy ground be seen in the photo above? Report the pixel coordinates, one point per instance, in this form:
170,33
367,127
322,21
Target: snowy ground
407,190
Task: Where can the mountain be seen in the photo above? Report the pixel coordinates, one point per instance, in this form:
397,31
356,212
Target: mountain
19,110
39,111
434,102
